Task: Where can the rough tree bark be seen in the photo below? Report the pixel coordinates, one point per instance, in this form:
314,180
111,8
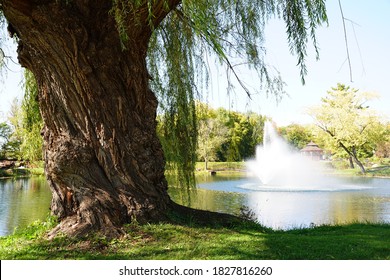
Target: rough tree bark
104,162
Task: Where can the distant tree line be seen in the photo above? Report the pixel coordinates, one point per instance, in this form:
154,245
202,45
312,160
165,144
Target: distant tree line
225,135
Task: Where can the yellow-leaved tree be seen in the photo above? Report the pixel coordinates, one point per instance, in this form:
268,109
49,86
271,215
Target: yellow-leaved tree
348,122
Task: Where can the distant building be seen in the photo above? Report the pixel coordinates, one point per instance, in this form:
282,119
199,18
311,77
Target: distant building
312,151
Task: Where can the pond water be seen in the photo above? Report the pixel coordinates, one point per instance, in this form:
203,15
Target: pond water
23,201
338,200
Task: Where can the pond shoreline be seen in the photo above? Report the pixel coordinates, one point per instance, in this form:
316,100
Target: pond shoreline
20,169
28,172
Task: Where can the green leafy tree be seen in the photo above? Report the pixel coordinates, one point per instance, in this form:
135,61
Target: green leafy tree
211,135
25,141
349,123
230,149
9,144
245,130
237,132
296,135
241,133
15,140
5,133
257,123
32,124
103,67
245,133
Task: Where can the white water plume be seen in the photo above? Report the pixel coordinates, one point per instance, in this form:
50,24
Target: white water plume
277,164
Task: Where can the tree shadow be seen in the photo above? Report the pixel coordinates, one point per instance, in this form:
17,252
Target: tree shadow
353,242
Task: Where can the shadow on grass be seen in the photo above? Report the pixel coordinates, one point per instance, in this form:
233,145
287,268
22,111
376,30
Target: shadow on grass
355,241
379,171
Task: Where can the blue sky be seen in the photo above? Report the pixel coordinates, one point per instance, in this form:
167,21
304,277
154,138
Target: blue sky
369,46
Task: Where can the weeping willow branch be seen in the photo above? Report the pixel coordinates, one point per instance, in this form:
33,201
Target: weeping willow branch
346,42
228,30
217,48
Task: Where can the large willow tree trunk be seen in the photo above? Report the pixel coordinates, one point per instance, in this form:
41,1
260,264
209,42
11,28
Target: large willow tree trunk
104,162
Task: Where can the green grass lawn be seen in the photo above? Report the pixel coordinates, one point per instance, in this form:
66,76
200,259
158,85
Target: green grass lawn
244,241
